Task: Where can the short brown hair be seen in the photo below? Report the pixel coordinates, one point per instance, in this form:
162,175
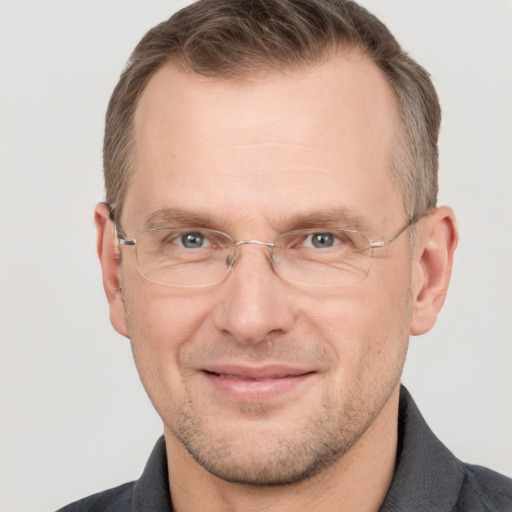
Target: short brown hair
236,38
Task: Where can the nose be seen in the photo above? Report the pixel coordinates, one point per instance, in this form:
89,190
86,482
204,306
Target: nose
254,301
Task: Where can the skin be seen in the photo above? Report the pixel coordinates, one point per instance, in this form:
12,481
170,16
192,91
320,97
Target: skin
247,155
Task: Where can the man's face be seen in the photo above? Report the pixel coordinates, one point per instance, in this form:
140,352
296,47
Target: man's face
261,380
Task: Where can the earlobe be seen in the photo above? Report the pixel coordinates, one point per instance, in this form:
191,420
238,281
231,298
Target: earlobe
437,240
110,266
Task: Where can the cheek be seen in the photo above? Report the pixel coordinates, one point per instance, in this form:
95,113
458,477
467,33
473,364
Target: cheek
160,314
367,327
160,322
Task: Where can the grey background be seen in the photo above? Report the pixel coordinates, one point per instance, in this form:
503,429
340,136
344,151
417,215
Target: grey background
74,417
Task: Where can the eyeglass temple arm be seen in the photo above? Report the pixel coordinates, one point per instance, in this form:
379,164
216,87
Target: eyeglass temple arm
415,219
124,241
120,236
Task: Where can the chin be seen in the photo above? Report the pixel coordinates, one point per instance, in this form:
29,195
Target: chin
266,453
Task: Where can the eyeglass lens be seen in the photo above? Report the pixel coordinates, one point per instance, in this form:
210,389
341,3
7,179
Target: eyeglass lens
188,257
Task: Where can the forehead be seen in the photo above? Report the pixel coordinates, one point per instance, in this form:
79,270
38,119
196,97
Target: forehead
319,137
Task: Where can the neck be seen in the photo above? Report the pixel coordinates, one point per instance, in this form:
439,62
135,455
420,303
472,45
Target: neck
359,481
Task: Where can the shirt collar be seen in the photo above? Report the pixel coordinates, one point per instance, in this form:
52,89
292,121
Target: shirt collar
428,476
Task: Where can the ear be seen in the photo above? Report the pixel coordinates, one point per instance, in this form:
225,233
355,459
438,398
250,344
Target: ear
437,238
110,266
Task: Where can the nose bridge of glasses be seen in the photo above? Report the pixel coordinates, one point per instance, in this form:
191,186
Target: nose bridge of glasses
257,242
236,252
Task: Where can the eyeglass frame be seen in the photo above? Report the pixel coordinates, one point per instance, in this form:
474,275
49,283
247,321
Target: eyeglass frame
120,234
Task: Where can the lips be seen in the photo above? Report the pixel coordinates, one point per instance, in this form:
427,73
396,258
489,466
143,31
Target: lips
249,384
250,373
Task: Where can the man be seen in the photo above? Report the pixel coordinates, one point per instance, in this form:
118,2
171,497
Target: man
271,240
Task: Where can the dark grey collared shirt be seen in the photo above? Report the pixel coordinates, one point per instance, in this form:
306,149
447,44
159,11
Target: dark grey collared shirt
428,478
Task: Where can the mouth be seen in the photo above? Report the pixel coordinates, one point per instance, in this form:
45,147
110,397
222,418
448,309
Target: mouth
245,384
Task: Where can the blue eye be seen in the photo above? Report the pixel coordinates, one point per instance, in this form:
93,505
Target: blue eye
193,240
322,240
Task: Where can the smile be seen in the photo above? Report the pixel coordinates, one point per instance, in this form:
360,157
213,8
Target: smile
241,377
242,384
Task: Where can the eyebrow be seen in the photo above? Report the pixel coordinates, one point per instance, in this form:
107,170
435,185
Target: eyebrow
338,217
175,217
335,218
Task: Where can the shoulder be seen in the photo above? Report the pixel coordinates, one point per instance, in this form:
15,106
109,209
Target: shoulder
117,499
484,490
150,493
430,478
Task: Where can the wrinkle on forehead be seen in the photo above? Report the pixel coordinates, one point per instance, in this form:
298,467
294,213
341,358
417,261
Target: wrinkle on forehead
267,171
251,160
270,144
